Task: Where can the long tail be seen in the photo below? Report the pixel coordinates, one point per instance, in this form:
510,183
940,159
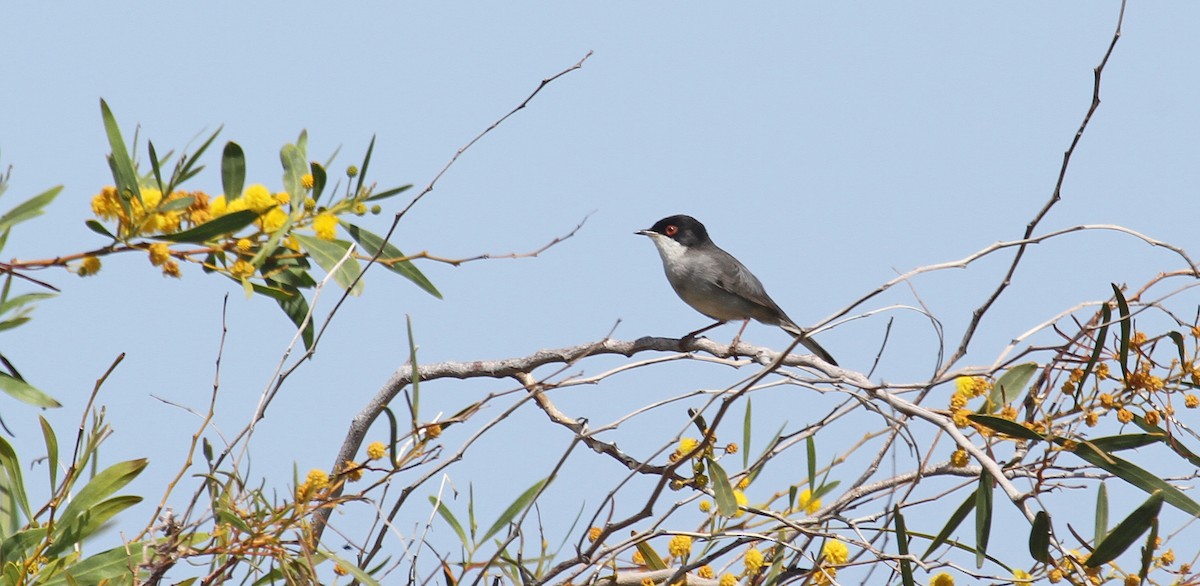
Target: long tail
808,342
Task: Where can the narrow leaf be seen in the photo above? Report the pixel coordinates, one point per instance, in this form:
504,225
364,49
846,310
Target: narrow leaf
99,228
1137,477
388,193
30,208
1126,532
983,517
514,509
319,179
1010,428
227,224
362,171
906,573
328,253
155,167
51,450
1039,538
951,524
25,392
1101,530
102,485
650,556
746,435
294,168
233,171
15,482
1123,308
450,520
370,244
1010,386
722,489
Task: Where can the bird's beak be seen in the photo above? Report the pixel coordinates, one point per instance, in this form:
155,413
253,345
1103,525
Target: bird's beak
644,233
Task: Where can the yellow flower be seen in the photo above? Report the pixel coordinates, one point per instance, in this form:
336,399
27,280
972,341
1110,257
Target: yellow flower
352,471
272,220
1124,415
106,205
1091,419
150,197
258,198
680,546
1138,338
241,270
807,503
433,430
647,581
638,558
217,207
352,171
1168,557
959,458
594,534
376,450
1107,400
1151,417
1009,412
1021,576
1055,576
705,572
89,266
282,198
942,579
731,449
686,445
972,386
1132,580
960,418
171,269
1102,370
957,401
753,561
307,181
244,245
325,225
705,506
822,576
835,552
360,208
159,253
728,579
310,203
1191,401
339,570
744,483
317,479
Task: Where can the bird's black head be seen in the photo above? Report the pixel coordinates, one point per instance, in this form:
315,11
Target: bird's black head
685,230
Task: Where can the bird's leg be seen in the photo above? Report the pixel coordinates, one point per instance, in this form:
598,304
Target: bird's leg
738,337
702,330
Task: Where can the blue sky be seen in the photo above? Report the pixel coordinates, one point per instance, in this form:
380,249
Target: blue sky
828,145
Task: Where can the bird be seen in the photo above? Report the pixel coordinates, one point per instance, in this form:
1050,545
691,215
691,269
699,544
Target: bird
715,283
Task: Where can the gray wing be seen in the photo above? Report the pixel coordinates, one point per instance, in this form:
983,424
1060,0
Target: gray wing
735,278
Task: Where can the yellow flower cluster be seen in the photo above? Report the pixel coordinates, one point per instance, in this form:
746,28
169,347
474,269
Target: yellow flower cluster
376,450
807,503
680,546
316,482
753,561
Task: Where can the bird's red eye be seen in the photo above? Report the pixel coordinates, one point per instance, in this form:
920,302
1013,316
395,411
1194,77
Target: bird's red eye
671,230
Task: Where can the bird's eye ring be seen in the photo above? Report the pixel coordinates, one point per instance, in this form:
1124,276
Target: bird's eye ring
671,230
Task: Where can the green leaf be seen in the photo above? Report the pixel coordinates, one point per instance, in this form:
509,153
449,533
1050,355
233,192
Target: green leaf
515,508
51,450
227,224
1126,532
295,307
722,489
25,392
12,323
28,209
15,484
362,171
1129,441
1039,538
811,448
328,253
1098,347
1136,476
650,556
71,533
102,485
233,171
1178,339
388,193
1101,513
1010,428
359,575
99,228
294,168
370,244
1010,385
319,179
1148,550
22,300
952,524
1123,308
415,405
156,168
906,573
112,565
181,203
124,174
450,520
17,545
983,517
